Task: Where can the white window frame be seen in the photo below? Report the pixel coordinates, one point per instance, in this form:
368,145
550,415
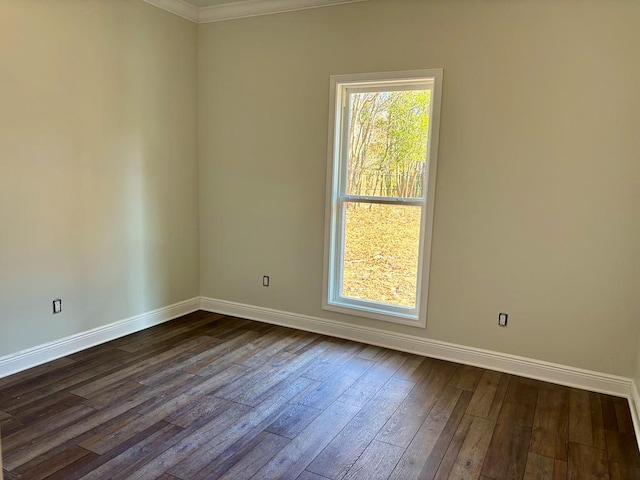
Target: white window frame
341,86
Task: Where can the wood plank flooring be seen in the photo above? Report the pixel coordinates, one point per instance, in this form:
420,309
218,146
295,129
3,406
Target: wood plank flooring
208,396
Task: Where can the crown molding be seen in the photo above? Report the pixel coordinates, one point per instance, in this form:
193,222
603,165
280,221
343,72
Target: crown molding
178,7
253,8
246,8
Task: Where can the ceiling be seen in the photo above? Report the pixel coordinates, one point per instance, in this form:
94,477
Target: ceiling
205,11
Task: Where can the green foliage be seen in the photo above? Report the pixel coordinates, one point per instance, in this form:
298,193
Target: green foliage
388,142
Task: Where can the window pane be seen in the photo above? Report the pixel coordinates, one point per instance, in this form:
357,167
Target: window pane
388,134
381,251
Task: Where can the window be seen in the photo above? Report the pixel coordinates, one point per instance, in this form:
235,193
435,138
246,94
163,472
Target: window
383,136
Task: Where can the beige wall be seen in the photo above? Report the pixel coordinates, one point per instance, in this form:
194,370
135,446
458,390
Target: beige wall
636,377
538,199
537,207
98,165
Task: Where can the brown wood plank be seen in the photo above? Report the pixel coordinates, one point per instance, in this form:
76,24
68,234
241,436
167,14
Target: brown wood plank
228,327
200,388
621,448
373,380
248,460
252,377
39,371
75,375
442,470
620,471
112,393
76,469
414,368
466,377
136,345
1,467
428,433
254,394
539,467
404,424
449,441
155,396
498,399
580,427
507,452
471,456
43,467
329,390
551,424
372,352
597,421
336,356
265,355
89,389
609,417
9,426
138,427
188,458
160,371
163,404
519,403
261,343
587,462
202,362
45,407
292,460
376,462
304,342
138,453
343,451
623,415
484,394
5,475
310,476
95,419
189,409
29,433
293,420
560,470
105,429
187,442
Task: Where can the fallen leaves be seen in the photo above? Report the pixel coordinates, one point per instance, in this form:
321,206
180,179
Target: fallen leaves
381,253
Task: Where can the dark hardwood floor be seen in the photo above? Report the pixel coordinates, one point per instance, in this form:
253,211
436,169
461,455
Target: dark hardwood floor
208,396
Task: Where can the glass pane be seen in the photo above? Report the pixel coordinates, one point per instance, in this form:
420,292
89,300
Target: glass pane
381,250
388,135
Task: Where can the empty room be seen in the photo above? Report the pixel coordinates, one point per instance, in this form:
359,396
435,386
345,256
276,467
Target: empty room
319,239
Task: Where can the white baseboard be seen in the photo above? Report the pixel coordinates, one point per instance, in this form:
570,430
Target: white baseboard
634,406
526,367
32,357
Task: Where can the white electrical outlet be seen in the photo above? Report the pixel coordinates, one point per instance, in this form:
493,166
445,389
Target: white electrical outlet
57,306
265,281
502,319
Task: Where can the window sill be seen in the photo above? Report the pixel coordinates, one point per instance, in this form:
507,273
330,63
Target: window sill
376,314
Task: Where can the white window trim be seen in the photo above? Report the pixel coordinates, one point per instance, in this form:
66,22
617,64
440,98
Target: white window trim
330,301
